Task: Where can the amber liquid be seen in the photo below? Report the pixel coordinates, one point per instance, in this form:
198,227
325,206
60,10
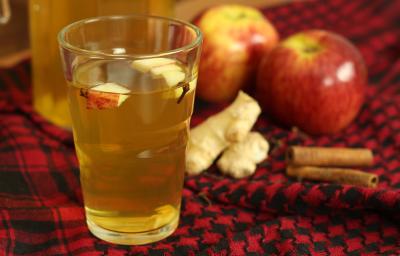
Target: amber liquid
47,17
131,157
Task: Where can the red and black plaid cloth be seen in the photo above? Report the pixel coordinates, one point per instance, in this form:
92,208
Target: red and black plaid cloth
267,214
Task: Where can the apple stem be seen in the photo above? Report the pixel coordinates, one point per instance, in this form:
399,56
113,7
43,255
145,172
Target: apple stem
311,49
236,16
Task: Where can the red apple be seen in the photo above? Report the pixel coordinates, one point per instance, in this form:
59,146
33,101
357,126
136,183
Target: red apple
235,38
314,80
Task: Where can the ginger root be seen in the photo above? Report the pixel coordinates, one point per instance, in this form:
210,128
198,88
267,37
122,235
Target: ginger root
211,137
240,159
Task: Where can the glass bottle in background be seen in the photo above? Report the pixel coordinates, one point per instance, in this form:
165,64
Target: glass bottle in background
47,17
5,12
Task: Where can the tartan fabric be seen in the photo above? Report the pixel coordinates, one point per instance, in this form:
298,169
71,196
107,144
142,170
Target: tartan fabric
267,214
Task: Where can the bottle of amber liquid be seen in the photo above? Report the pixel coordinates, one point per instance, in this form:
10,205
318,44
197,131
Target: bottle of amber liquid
47,17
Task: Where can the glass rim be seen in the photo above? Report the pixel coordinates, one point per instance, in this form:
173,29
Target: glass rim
66,45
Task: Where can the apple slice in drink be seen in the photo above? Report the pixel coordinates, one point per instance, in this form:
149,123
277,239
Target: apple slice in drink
105,96
159,70
145,65
173,77
166,69
172,74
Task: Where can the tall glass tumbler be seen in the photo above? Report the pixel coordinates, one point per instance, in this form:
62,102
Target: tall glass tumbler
131,86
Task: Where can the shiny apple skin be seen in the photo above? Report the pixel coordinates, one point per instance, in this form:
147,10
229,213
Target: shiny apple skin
235,39
320,92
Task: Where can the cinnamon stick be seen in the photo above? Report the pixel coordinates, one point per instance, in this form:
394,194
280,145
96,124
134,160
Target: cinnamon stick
335,175
333,157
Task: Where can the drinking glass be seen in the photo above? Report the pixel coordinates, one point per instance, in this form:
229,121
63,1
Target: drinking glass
131,85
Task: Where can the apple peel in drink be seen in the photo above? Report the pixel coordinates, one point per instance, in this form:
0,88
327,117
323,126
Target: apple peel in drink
105,96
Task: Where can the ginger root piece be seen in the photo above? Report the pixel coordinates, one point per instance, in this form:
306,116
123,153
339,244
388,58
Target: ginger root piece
211,137
240,159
